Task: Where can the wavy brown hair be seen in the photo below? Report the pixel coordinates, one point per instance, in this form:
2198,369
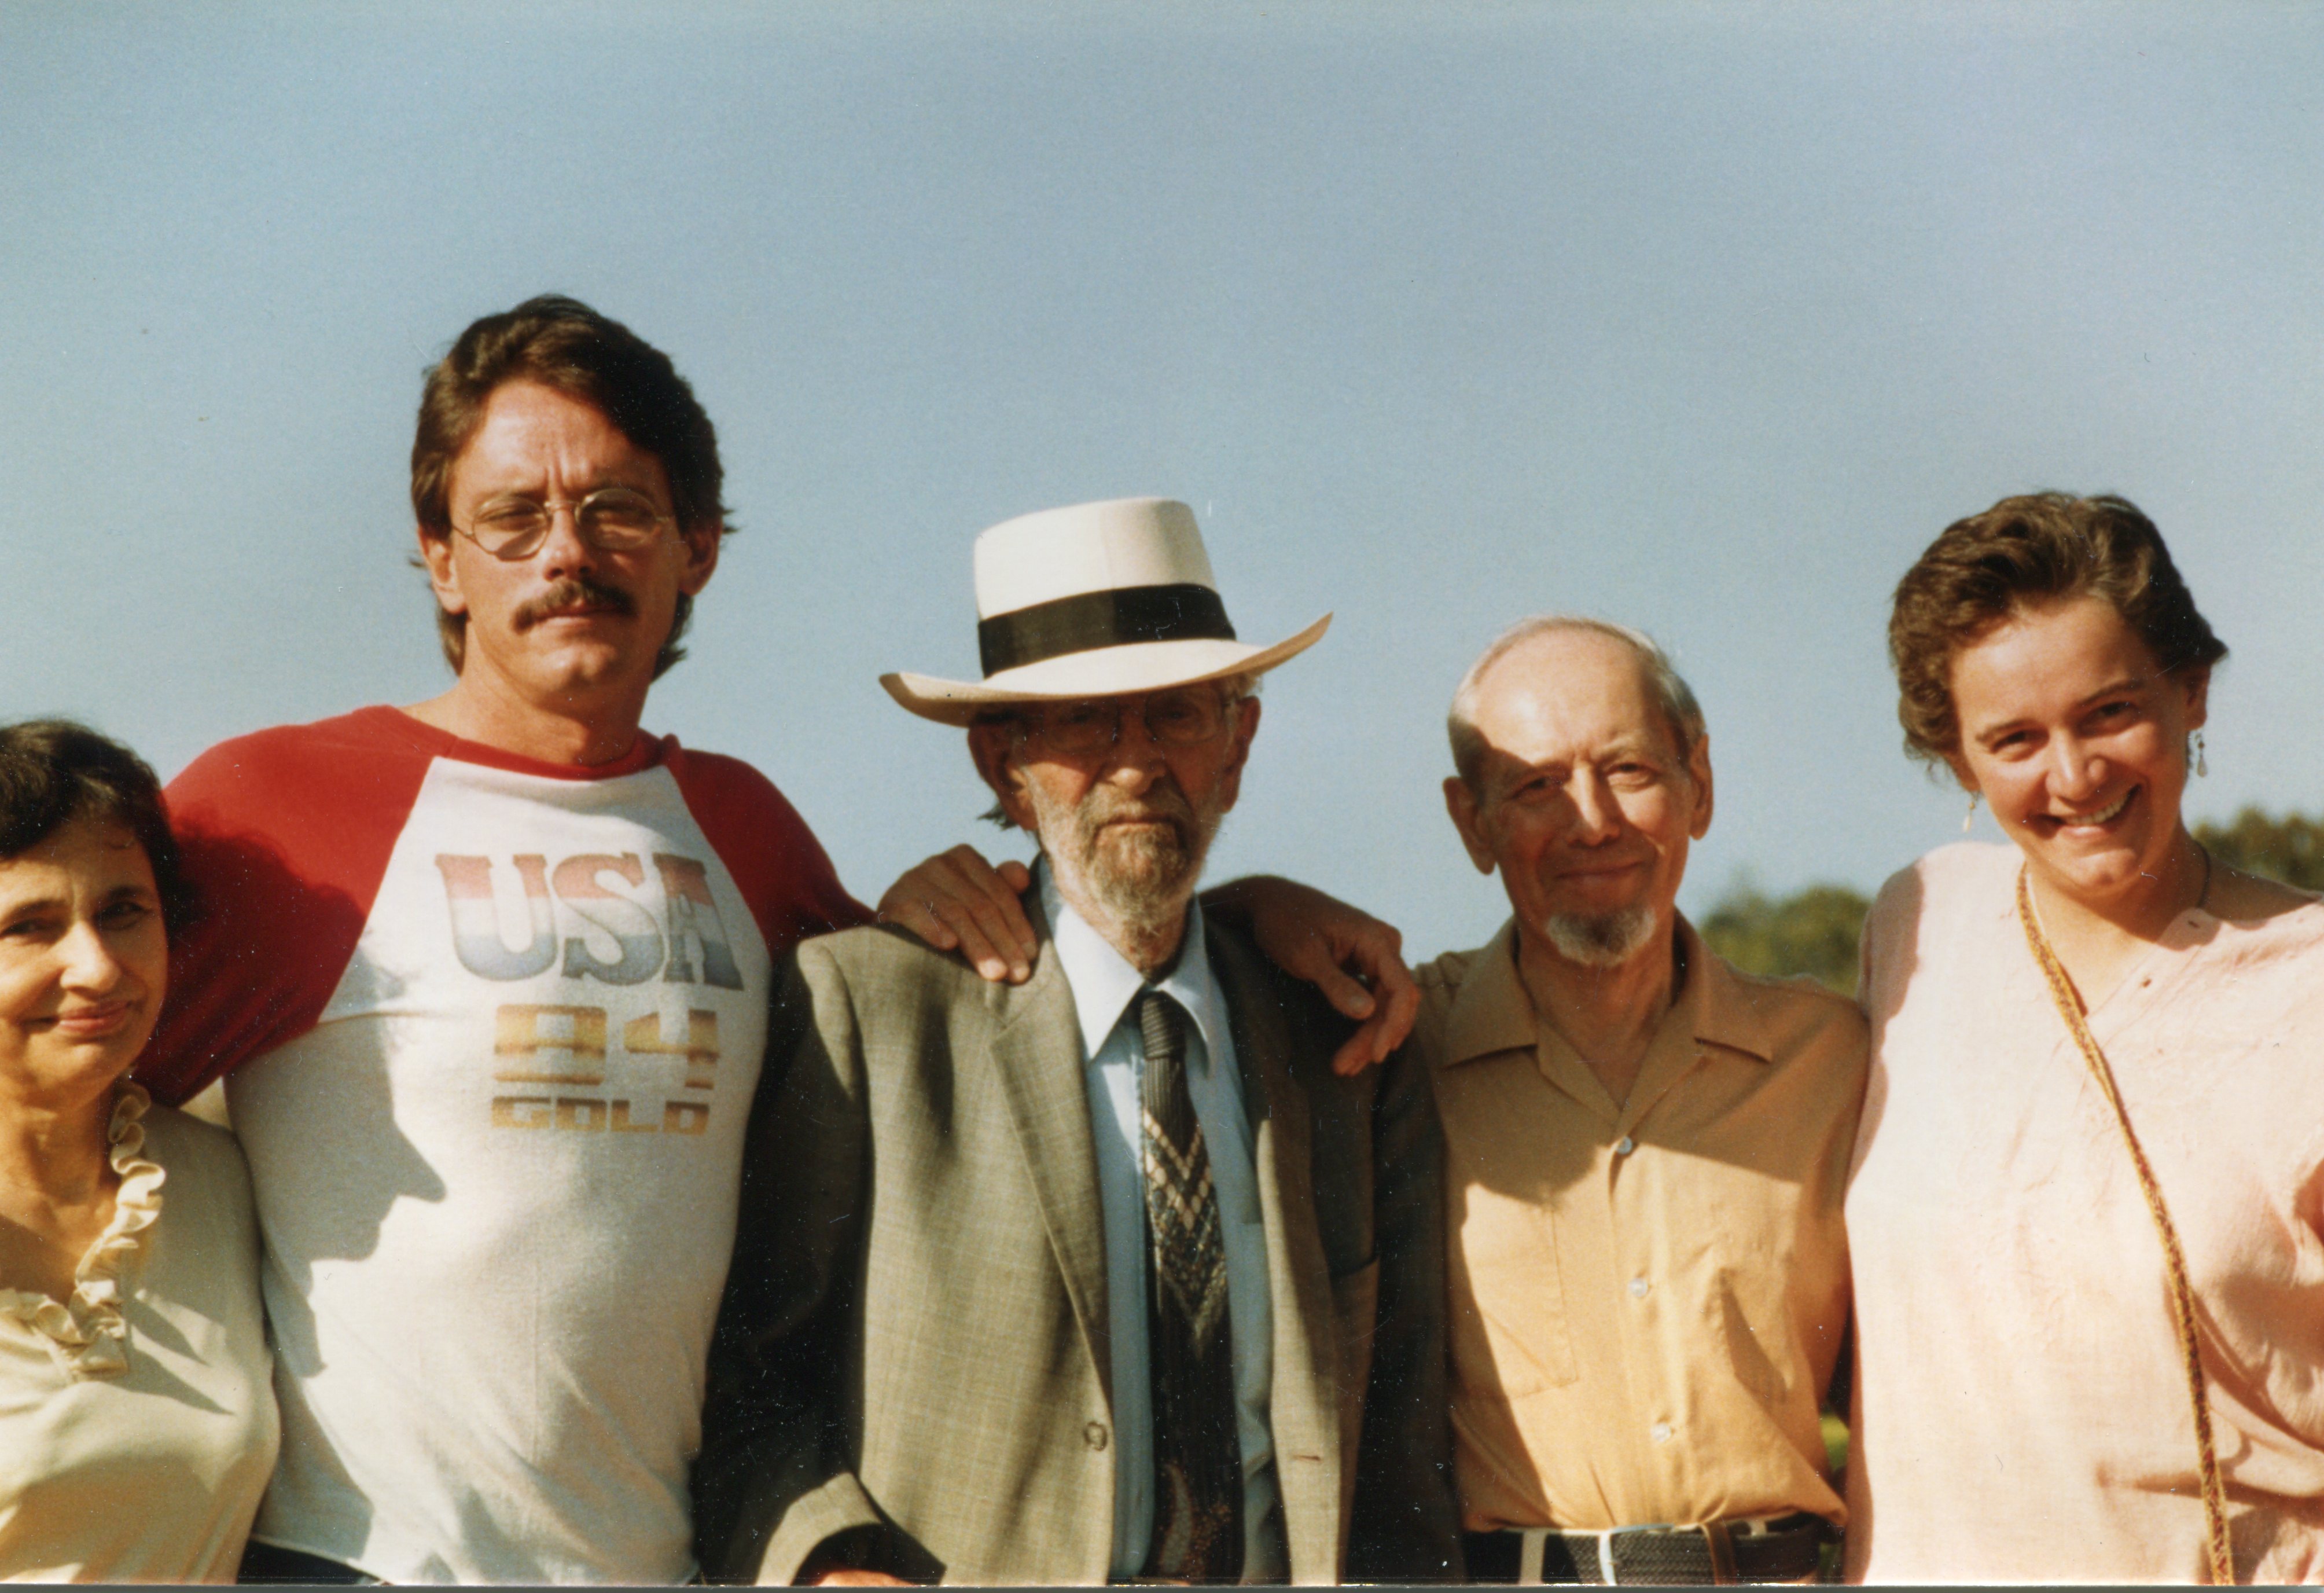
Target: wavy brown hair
2027,552
568,348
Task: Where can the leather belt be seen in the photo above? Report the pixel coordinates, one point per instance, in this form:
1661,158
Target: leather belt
1711,1553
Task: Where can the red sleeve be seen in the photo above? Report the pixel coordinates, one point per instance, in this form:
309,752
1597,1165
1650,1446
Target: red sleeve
781,868
285,835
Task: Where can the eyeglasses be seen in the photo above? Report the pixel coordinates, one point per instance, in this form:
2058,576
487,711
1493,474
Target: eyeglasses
1188,717
611,520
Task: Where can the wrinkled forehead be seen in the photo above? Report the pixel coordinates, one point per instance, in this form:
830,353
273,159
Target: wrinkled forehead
1572,693
1058,708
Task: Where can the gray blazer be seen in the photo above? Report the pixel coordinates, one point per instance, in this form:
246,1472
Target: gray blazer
912,1359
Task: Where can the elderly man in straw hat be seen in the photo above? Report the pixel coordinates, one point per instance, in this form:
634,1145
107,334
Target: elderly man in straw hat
1106,1275
1645,1149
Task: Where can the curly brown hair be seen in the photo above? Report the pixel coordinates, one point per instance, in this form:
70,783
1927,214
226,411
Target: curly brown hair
565,346
2026,552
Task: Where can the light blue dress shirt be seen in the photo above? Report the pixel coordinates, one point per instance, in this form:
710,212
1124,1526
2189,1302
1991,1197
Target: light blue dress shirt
1105,986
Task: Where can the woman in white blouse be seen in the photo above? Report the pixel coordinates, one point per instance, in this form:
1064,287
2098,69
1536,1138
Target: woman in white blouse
137,1422
2087,1216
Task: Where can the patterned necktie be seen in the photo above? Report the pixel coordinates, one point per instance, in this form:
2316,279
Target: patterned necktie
1190,1350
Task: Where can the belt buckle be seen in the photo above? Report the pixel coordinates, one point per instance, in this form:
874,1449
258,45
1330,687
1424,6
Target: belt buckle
1531,1542
1715,1533
1606,1572
1717,1544
1717,1537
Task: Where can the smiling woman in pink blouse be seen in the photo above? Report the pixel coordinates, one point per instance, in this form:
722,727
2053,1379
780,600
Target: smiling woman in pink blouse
137,1421
2084,1215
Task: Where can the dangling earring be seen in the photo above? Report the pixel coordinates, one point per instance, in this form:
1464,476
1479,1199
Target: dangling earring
1970,818
2202,769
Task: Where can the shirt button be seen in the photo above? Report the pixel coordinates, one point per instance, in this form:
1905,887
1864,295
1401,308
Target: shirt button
1625,1146
1638,1287
1661,1432
1094,1435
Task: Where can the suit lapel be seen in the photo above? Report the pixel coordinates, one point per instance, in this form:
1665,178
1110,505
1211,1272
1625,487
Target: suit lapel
1302,1404
1036,1051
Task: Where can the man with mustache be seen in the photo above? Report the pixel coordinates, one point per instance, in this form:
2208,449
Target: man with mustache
1107,1275
487,978
1644,1149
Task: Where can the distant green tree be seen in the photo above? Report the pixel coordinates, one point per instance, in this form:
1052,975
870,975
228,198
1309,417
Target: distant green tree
2290,848
1813,932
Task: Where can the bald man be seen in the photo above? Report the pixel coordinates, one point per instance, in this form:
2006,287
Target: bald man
1646,1149
1646,1152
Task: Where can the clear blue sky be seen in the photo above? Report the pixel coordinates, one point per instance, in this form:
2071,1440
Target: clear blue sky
1705,317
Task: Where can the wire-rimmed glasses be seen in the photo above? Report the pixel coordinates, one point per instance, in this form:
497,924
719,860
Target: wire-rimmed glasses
1185,715
611,520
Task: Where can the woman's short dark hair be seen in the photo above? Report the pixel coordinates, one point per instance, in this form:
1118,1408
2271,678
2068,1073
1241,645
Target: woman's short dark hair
53,771
2026,552
569,349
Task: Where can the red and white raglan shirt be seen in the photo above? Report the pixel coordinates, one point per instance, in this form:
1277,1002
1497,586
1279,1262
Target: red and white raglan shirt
490,1029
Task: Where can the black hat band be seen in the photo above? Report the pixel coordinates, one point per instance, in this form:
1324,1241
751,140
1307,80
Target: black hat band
1115,618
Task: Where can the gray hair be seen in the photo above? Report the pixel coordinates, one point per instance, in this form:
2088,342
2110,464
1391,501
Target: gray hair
1673,695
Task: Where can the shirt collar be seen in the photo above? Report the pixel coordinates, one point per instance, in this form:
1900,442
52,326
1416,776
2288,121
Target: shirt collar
1104,982
1724,1006
1494,1012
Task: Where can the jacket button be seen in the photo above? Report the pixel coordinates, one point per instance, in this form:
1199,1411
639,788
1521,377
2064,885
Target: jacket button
1094,1435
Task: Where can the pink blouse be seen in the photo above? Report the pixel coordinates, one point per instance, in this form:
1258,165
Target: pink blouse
2021,1412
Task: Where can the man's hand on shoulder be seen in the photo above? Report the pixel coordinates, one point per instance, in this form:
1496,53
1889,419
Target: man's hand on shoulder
958,901
1352,958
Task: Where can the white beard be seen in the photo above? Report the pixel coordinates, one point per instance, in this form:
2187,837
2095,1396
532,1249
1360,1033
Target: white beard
1142,881
1608,941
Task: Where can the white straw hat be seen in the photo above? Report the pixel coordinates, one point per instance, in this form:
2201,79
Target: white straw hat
1094,601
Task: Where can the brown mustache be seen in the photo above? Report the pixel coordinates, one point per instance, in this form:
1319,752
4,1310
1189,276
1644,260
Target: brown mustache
573,591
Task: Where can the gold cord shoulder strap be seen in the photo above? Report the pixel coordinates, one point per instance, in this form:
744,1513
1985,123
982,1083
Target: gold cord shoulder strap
2183,1297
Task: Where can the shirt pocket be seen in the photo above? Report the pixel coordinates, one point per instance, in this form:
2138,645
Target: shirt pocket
1510,1329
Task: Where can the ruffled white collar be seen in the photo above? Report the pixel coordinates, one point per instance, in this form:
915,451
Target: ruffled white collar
87,1333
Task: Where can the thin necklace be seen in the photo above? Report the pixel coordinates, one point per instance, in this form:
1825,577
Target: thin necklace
2218,1559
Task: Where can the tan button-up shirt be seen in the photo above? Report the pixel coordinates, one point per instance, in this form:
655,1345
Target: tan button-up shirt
1646,1300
